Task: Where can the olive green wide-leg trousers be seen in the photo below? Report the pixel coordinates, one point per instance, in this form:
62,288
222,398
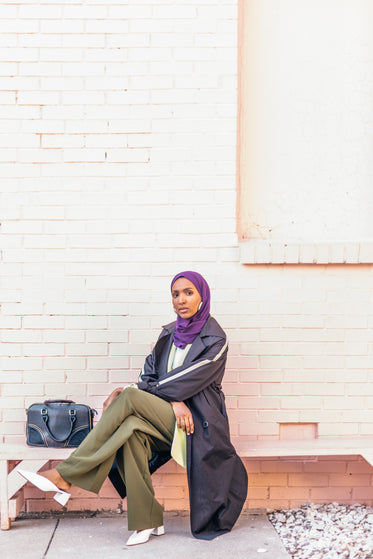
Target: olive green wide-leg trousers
135,424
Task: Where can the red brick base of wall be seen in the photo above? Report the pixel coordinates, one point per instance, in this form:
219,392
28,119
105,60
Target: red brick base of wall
273,484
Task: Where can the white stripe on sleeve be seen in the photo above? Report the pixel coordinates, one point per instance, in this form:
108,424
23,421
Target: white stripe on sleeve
194,367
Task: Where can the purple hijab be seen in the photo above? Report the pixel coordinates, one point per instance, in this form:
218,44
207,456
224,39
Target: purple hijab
187,329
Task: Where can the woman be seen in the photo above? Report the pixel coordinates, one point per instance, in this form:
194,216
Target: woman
180,380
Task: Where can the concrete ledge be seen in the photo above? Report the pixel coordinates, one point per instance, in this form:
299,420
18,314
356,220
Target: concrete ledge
11,451
313,447
282,252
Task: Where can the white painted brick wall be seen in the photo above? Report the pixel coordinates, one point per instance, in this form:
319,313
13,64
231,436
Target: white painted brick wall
118,136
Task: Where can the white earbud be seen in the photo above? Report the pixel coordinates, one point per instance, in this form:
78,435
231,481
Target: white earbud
200,305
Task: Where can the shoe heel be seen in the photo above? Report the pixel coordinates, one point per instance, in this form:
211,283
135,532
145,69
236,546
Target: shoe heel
62,498
158,531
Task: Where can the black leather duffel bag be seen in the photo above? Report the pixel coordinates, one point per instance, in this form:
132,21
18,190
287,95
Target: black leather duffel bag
58,423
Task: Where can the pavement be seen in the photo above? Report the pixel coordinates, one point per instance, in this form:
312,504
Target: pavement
103,535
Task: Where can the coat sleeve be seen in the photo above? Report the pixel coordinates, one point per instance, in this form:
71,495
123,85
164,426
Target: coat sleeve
148,373
187,380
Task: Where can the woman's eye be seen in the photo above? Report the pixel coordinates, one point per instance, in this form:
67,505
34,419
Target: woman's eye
189,292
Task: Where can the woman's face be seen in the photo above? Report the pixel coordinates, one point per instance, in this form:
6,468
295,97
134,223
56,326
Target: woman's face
185,298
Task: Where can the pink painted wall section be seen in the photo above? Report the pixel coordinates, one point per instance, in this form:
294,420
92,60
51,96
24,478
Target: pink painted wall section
119,127
304,168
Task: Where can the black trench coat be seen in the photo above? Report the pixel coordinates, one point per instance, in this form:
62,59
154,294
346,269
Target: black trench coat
217,478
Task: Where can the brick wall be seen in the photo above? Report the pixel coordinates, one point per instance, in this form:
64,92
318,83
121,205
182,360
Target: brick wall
118,133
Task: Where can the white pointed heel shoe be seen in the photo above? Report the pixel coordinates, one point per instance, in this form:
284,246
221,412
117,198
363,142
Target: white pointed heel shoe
45,484
143,536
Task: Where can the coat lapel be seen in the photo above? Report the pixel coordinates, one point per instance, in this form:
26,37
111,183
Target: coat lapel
163,346
201,342
196,348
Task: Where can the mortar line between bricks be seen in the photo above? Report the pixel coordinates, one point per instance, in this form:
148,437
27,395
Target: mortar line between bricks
51,539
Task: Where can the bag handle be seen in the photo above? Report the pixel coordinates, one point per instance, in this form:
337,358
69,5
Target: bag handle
59,402
72,417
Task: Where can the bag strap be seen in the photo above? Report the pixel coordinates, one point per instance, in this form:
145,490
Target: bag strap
72,417
59,402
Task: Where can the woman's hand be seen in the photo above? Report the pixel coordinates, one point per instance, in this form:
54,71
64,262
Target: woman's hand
111,398
184,418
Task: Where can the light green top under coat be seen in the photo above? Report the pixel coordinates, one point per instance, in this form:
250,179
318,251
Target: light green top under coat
178,448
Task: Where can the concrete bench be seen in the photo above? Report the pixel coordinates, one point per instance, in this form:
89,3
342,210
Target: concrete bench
313,447
32,459
35,458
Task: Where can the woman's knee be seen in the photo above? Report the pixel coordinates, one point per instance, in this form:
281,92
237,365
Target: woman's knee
142,403
130,392
132,396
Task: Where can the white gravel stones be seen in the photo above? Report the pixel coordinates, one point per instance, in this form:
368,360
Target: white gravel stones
330,531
